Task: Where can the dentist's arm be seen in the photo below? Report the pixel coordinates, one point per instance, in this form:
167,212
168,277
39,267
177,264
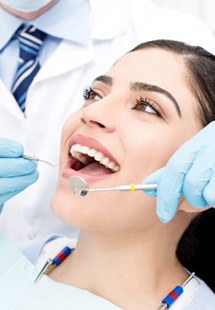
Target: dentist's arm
16,173
189,172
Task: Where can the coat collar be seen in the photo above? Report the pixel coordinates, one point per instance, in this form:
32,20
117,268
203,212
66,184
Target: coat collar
107,21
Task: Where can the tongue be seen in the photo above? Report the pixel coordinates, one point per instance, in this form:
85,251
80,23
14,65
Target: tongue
96,169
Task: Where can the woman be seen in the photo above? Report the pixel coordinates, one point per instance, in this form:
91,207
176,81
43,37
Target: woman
150,102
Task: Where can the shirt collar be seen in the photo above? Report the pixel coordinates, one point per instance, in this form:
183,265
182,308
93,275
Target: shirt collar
75,28
10,24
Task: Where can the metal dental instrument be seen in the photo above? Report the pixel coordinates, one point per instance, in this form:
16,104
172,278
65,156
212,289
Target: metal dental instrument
43,161
80,187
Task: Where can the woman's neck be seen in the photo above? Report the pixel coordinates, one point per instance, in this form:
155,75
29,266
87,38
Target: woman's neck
130,271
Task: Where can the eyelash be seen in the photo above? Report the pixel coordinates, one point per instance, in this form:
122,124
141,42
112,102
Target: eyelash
89,94
141,104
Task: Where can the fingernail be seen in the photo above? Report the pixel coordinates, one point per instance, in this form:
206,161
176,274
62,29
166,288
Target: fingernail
164,219
151,193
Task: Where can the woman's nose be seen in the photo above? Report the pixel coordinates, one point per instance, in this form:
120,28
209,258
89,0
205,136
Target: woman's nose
99,116
92,122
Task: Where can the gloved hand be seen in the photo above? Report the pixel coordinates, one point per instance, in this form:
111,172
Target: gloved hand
16,173
189,172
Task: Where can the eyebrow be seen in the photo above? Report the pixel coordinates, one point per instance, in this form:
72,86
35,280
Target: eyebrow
139,86
105,79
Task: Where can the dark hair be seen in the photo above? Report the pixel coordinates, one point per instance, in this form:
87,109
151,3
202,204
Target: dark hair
196,248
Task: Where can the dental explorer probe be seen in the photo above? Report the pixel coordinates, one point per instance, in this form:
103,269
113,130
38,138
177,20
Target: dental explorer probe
43,161
80,187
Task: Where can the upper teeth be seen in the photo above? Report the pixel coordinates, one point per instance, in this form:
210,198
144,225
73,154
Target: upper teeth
77,150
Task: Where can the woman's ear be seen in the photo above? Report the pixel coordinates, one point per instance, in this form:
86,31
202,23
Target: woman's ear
186,207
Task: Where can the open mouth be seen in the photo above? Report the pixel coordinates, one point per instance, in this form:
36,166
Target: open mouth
91,161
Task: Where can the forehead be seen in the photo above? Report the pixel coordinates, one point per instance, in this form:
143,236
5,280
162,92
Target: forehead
152,65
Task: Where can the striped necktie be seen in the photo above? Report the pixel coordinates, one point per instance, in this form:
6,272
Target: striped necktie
30,43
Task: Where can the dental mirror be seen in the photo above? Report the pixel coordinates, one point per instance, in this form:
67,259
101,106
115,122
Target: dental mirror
80,187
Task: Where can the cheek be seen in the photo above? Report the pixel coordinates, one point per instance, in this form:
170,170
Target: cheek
150,154
70,126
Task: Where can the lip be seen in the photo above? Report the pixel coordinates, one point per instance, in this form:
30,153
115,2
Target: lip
91,143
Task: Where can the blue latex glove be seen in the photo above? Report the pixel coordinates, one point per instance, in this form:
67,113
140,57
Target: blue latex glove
15,173
189,172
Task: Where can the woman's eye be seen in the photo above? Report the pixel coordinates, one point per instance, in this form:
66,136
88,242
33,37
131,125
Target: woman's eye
146,105
90,94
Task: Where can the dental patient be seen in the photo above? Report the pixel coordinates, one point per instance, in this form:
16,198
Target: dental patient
151,101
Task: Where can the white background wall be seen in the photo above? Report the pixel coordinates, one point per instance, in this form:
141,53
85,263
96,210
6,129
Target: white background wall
204,9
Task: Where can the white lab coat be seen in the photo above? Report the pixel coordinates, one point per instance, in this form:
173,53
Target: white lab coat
116,27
